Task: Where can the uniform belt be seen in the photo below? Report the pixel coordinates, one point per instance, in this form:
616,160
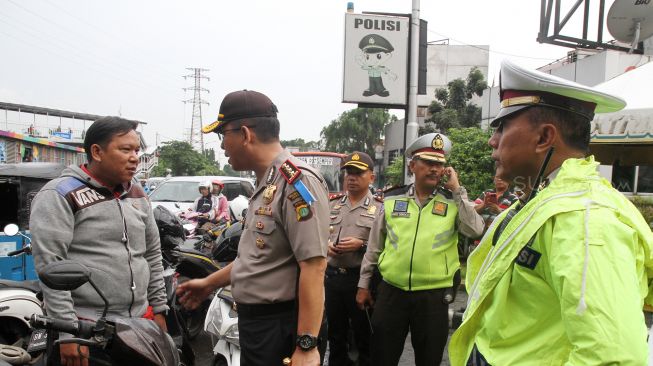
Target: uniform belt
335,271
265,309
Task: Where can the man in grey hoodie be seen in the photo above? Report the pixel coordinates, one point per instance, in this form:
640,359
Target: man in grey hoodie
93,214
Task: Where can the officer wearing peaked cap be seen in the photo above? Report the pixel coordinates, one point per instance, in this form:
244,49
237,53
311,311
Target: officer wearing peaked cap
277,279
414,244
561,276
352,216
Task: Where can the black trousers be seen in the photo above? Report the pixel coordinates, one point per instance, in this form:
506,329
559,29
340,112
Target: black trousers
266,339
341,311
396,312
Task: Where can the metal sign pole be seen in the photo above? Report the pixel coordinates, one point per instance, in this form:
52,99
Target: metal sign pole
411,115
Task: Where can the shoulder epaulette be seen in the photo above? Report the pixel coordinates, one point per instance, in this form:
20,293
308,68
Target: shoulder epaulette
445,192
396,190
337,196
378,199
290,171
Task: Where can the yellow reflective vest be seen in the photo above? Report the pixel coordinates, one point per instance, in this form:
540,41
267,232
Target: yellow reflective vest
421,244
565,282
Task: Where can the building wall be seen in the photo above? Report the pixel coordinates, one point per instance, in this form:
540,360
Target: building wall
17,151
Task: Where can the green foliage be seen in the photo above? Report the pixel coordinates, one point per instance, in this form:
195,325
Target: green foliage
452,108
301,144
394,173
645,207
228,170
471,157
181,159
358,129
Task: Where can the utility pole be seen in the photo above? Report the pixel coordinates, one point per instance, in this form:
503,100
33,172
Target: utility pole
196,138
412,127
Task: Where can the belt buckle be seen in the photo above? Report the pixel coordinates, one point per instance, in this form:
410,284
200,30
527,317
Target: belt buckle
342,270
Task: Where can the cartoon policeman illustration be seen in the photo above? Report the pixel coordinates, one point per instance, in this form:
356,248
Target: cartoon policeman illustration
376,51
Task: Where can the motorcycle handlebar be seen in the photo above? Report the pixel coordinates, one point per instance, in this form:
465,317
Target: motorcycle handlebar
14,253
78,328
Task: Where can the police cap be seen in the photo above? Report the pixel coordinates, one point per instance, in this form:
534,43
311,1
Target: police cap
358,160
432,147
239,105
522,88
374,43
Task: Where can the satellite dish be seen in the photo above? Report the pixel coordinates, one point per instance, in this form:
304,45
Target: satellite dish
631,20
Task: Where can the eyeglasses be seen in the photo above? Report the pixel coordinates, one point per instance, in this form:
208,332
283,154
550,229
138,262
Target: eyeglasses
222,133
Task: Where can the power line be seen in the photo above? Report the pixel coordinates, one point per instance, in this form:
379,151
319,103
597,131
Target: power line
196,138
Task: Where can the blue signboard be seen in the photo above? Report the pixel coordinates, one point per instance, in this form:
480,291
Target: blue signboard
63,135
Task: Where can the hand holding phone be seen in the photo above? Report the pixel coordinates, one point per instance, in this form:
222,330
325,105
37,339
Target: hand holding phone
491,197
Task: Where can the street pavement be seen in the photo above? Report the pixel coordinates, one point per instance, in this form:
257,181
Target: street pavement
203,347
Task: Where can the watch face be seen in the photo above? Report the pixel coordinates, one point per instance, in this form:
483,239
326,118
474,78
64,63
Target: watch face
306,342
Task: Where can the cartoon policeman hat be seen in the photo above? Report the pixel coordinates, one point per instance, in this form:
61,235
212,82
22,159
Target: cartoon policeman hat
521,88
374,43
432,146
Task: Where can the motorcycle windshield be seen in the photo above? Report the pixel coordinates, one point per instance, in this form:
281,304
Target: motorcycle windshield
141,342
168,223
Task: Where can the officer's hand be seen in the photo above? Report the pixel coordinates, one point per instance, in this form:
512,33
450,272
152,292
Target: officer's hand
192,293
333,251
350,244
364,299
305,358
72,354
452,183
493,207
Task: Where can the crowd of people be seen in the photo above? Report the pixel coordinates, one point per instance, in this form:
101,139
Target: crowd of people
560,275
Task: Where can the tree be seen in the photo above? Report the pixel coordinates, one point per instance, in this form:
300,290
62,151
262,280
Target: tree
301,144
451,107
394,173
228,170
358,129
181,159
471,157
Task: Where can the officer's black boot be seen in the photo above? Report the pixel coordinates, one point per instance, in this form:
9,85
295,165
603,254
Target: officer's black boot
370,90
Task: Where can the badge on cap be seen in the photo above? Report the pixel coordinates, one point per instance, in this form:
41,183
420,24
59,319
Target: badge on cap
355,157
438,142
260,243
440,208
268,194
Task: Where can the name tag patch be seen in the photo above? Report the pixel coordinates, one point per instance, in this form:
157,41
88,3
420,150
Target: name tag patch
528,257
400,209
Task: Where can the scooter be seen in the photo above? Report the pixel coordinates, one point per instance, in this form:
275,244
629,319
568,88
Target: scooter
222,322
128,341
18,301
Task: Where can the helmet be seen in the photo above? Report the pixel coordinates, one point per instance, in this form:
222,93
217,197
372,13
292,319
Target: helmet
205,184
219,183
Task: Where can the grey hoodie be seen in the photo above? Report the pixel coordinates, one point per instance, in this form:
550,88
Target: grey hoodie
75,217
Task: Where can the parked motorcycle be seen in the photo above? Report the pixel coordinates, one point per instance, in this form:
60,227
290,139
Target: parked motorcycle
128,341
18,301
222,322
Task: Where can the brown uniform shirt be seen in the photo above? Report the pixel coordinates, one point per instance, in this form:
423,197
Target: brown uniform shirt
280,231
352,221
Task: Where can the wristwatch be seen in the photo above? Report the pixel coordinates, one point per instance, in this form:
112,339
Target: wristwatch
306,342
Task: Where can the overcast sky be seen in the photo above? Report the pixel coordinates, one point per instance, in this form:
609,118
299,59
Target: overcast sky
128,57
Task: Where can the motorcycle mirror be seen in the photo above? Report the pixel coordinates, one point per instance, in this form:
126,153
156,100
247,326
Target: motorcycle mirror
177,205
65,275
10,229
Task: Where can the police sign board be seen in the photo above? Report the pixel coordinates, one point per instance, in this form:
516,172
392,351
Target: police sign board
376,59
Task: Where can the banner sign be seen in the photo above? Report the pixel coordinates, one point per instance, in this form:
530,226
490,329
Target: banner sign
376,59
63,135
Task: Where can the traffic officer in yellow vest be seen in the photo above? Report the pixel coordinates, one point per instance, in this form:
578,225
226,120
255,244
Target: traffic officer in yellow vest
277,279
414,244
561,277
352,216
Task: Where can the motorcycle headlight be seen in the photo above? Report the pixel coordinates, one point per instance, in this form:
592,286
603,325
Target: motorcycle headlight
213,320
232,336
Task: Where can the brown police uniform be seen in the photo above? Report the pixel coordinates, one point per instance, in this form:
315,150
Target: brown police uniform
355,220
280,230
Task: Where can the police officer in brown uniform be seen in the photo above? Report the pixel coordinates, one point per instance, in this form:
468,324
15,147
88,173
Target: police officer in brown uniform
352,216
277,277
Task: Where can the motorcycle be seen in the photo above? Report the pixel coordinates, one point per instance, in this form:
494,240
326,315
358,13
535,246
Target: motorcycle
128,341
18,301
222,322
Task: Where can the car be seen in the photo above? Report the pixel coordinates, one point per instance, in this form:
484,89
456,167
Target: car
152,183
178,193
